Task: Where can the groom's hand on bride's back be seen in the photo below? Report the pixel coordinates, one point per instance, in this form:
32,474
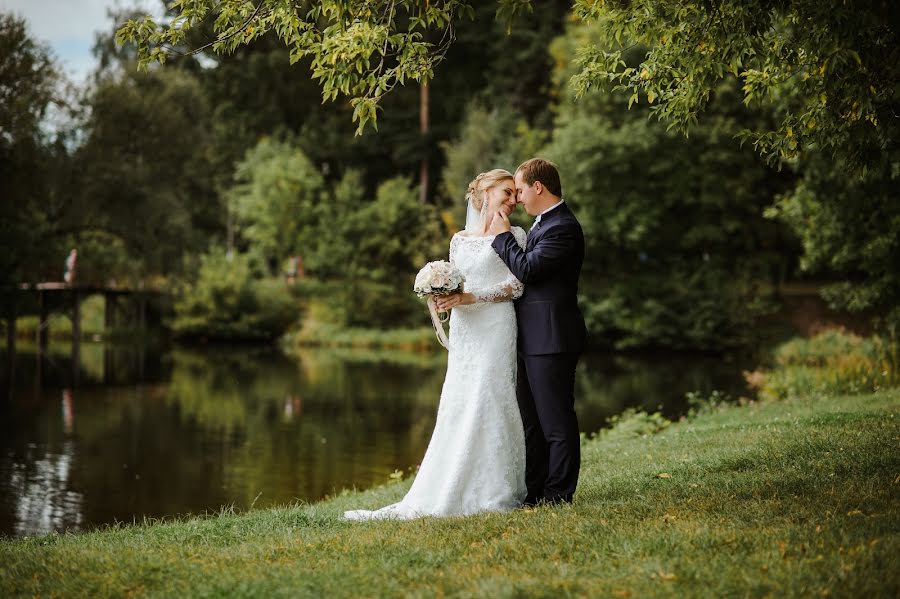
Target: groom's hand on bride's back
499,224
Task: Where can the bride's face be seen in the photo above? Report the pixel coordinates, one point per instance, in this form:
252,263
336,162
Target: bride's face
502,196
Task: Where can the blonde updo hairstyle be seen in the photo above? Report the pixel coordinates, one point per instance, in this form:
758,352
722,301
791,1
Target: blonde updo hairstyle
483,182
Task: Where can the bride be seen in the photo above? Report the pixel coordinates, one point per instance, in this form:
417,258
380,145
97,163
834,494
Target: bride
475,461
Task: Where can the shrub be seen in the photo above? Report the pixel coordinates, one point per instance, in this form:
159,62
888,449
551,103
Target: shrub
831,362
361,304
225,302
634,423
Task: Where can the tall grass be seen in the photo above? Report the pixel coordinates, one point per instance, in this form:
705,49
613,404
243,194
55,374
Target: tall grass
833,361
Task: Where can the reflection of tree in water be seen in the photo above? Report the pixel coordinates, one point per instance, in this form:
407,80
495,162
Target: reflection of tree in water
362,418
305,427
44,499
376,356
607,384
233,423
99,363
373,375
218,392
129,457
228,425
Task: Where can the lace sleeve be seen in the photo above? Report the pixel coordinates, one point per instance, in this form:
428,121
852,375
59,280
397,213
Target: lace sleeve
453,246
510,288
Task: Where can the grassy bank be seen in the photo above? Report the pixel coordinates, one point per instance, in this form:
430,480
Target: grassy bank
786,498
316,333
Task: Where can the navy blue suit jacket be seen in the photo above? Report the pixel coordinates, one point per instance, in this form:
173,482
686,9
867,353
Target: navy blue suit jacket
549,319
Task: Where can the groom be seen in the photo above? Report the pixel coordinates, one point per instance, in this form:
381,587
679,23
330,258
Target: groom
551,330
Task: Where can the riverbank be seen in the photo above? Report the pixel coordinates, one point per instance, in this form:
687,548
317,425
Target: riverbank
790,498
316,333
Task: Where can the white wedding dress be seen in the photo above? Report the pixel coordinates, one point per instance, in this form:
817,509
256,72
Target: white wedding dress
475,461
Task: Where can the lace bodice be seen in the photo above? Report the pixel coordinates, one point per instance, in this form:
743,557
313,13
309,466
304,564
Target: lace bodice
487,277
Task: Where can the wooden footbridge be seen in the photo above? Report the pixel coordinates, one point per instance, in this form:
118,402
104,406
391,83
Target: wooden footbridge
123,307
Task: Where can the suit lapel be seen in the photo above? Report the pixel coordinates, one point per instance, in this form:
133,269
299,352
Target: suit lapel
532,236
535,231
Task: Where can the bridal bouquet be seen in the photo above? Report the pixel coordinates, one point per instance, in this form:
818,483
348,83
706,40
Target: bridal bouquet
438,278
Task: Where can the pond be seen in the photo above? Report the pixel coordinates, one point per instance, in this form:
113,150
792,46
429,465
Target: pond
165,432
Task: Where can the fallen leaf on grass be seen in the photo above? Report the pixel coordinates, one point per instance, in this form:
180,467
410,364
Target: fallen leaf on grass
666,575
663,475
855,513
624,594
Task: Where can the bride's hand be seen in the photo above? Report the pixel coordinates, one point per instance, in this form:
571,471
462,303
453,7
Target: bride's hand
499,224
445,302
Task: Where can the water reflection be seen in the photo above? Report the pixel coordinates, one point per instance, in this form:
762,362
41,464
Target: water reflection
45,501
607,384
157,433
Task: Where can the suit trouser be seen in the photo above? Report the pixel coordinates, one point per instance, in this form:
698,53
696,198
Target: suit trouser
545,389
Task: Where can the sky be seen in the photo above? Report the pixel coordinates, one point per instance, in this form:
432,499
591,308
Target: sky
68,27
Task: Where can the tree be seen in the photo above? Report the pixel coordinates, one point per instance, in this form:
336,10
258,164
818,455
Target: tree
263,87
678,252
487,139
29,87
828,72
849,226
823,76
828,69
224,301
143,181
278,200
362,50
832,68
392,235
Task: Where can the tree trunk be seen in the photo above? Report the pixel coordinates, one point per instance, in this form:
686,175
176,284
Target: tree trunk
43,322
76,336
423,129
11,350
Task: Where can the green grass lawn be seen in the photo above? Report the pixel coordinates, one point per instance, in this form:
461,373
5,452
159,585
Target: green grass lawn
795,498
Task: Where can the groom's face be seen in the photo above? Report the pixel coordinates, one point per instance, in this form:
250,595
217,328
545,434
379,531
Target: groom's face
527,195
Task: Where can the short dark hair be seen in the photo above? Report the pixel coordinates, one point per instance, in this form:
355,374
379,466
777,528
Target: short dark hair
538,169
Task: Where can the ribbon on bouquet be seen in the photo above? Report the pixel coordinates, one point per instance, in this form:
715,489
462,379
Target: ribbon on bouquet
437,323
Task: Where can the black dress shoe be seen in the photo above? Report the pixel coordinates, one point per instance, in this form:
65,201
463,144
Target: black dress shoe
561,500
531,501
